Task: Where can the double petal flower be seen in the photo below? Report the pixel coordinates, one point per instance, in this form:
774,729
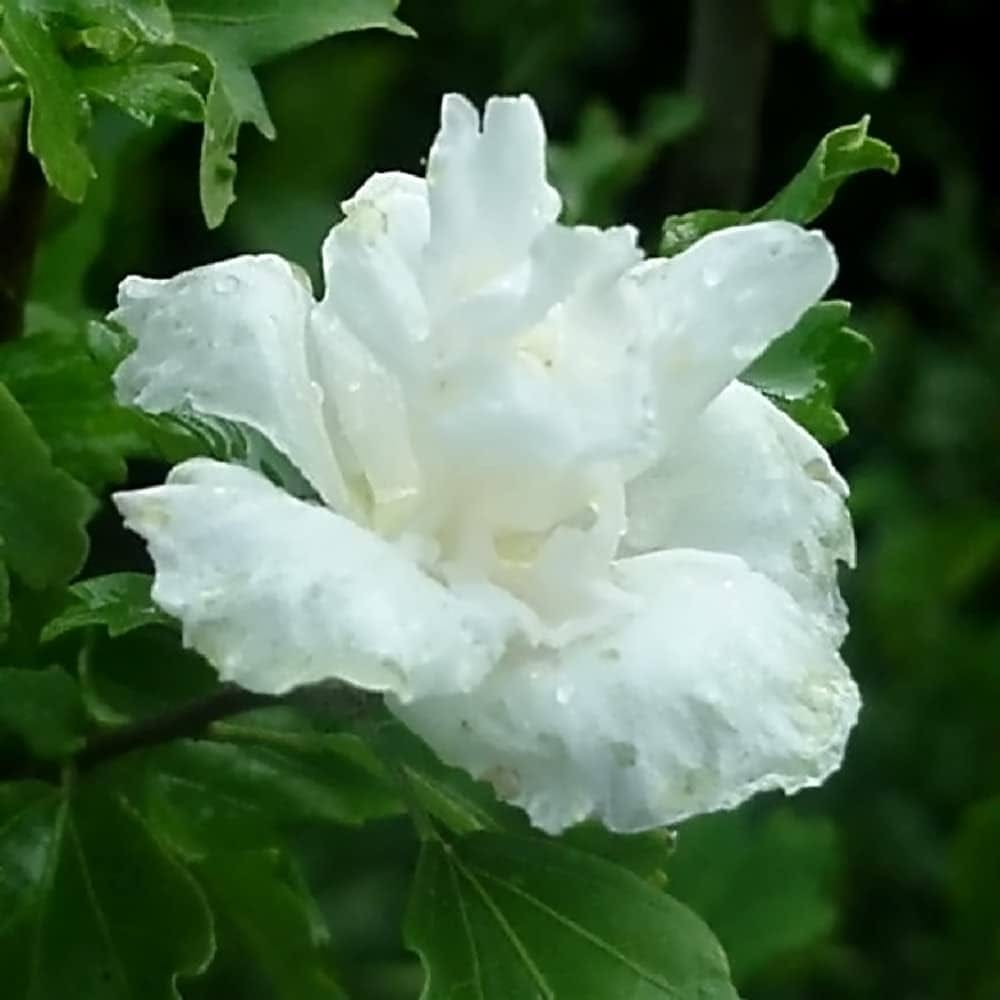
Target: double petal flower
533,504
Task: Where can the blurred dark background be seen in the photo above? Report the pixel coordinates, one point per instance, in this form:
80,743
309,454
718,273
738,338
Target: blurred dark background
886,883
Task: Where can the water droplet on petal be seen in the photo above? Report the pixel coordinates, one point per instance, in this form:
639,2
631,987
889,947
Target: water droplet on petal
564,693
710,277
226,284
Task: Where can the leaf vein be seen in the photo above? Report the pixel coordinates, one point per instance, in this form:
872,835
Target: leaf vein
646,974
516,943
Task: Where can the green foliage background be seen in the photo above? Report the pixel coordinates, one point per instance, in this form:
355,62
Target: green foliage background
886,882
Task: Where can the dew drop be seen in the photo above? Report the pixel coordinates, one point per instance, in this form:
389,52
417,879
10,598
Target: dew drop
564,694
226,284
710,277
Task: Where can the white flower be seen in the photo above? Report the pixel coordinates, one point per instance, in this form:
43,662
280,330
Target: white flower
580,557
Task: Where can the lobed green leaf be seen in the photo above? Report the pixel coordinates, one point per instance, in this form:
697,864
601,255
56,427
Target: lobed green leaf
120,602
91,906
235,35
57,377
805,369
154,61
147,90
59,113
248,784
496,916
840,155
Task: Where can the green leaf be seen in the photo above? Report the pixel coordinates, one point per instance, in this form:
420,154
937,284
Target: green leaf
42,510
644,854
146,90
805,369
59,113
235,35
270,922
120,602
43,710
505,917
464,805
209,797
451,796
141,20
841,154
681,231
764,884
143,673
67,393
4,595
91,906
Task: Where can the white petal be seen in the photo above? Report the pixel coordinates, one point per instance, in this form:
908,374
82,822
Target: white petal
715,307
564,262
367,417
371,264
229,340
397,202
746,479
715,688
277,592
539,400
488,194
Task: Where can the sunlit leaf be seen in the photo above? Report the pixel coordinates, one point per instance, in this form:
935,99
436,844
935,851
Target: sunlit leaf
234,36
841,154
59,114
146,90
120,602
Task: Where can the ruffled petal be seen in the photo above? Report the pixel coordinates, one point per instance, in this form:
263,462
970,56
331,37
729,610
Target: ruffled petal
715,687
747,480
714,308
371,263
565,262
276,592
489,198
369,425
229,340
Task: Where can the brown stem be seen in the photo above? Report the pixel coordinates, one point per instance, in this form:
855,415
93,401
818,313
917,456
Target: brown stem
730,46
21,216
186,722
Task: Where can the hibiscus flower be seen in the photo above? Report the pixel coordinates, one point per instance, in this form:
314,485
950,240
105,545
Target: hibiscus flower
534,504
